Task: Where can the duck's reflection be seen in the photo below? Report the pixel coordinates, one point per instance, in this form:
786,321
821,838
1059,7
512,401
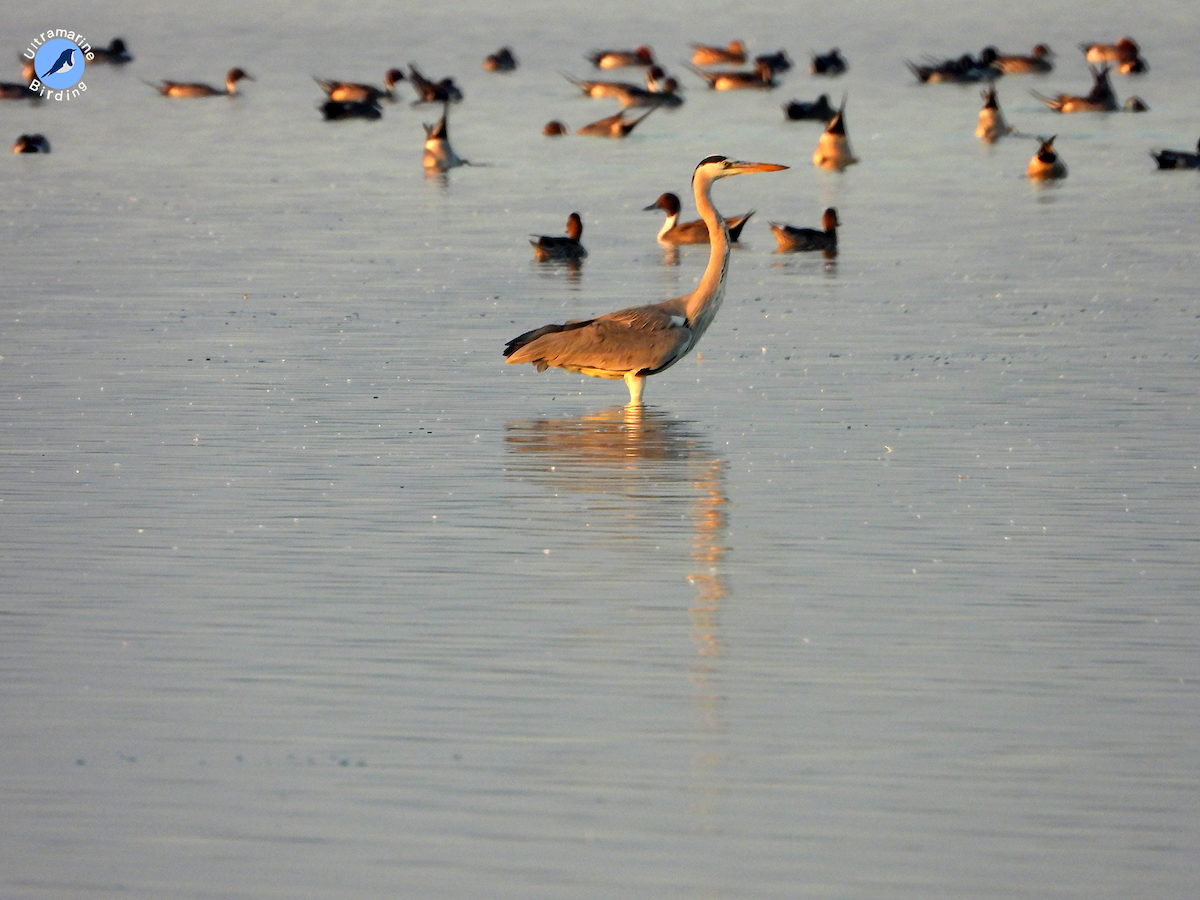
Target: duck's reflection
651,469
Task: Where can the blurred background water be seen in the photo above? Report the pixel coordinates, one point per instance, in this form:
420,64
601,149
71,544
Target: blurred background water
891,591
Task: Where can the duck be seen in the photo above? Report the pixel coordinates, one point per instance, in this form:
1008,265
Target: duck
761,78
778,61
1125,53
335,110
674,232
631,95
115,54
1101,99
31,143
1046,163
1177,159
187,89
1039,61
444,91
616,126
350,91
704,55
11,90
819,110
991,125
619,59
1136,104
833,147
503,60
964,70
549,248
439,155
792,239
554,128
831,63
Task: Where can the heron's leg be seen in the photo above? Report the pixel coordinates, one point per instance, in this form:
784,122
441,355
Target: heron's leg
636,383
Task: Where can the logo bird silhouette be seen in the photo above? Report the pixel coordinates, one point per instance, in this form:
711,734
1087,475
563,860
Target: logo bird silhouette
64,63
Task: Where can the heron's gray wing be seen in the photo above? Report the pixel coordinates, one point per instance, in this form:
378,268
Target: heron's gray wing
639,339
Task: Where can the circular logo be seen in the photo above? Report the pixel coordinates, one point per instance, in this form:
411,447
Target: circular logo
59,64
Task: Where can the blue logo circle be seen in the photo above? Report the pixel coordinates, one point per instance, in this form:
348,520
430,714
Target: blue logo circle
59,64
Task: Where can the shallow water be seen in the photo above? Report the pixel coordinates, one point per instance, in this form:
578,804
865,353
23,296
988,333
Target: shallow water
889,592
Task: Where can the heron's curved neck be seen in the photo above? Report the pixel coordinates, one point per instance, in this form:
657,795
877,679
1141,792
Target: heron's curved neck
705,300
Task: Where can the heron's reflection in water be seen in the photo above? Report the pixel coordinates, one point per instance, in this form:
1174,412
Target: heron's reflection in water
649,470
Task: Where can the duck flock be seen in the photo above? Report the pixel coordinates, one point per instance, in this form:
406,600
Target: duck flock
720,68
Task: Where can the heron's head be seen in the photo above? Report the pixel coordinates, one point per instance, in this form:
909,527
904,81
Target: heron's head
713,167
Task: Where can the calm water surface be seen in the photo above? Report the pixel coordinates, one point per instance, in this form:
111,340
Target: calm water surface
891,591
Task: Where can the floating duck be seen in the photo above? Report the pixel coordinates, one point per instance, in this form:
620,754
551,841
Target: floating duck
354,92
554,128
334,110
551,248
1040,61
761,78
820,110
1177,159
444,91
704,55
115,54
831,63
791,239
439,156
502,60
186,89
619,59
991,125
1046,163
616,126
778,62
676,232
1125,53
833,147
31,143
964,70
1101,99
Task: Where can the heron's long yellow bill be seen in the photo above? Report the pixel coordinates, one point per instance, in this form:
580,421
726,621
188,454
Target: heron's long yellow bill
757,167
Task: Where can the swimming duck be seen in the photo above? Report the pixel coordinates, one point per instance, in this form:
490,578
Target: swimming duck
833,147
819,110
761,78
349,91
195,89
115,54
502,60
11,90
1101,98
1125,53
778,62
554,128
676,232
991,125
619,59
444,91
31,143
831,63
806,239
1177,159
334,110
1046,163
704,55
613,126
548,248
630,95
439,156
1136,104
964,70
1039,61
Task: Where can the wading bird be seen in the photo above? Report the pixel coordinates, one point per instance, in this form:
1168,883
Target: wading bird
675,232
195,89
1046,164
803,239
640,341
